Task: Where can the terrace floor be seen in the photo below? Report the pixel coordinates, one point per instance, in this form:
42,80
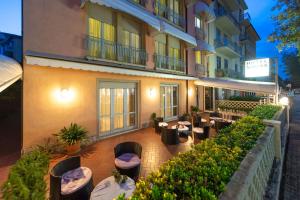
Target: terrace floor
99,157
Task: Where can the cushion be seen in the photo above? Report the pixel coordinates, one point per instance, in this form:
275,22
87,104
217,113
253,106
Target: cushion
75,179
127,161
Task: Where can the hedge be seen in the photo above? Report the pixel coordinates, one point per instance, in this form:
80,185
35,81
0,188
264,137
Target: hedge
204,171
26,177
265,111
245,98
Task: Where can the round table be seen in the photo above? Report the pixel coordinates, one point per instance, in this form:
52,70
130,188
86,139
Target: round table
182,129
198,130
185,123
108,189
162,124
203,120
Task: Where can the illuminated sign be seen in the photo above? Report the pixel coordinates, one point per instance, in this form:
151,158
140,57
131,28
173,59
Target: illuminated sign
257,68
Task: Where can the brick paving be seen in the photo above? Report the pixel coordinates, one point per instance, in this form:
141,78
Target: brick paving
99,157
291,174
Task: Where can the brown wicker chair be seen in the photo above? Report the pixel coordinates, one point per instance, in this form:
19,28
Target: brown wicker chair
156,123
170,136
55,181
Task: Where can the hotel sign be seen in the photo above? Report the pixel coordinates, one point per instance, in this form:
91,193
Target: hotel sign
257,68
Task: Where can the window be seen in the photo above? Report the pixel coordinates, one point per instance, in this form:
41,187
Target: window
132,43
160,48
199,22
101,39
236,68
168,101
199,57
226,64
218,33
174,58
218,62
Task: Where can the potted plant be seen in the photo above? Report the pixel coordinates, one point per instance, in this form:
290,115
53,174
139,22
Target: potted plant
152,118
72,137
194,109
220,73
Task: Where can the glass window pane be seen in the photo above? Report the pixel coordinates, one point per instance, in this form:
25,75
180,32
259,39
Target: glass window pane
104,124
175,97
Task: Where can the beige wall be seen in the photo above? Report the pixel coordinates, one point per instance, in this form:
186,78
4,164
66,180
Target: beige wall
44,115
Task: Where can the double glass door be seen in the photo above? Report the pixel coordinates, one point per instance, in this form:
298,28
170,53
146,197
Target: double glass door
117,110
169,101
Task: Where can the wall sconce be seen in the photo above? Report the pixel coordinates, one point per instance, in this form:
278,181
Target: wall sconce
151,92
64,95
190,92
284,101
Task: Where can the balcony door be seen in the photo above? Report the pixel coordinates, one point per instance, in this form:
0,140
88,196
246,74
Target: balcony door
117,107
169,101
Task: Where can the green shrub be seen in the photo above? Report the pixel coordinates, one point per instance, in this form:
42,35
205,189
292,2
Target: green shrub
72,134
26,177
204,171
265,111
244,98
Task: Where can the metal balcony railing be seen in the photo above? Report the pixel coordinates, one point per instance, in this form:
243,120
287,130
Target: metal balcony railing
201,69
245,16
221,42
104,49
219,12
169,63
169,14
139,2
200,33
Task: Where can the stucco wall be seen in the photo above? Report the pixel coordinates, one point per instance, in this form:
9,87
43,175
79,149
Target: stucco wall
44,115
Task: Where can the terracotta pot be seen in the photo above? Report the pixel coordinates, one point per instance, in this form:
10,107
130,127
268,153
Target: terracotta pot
73,149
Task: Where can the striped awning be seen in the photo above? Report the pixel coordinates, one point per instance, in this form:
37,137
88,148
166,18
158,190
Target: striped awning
10,72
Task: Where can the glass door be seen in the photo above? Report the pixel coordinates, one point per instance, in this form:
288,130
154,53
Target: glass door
117,110
169,101
209,99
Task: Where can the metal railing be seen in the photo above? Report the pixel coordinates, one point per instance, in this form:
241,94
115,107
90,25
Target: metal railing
169,14
219,12
139,2
200,33
221,42
104,49
201,69
169,63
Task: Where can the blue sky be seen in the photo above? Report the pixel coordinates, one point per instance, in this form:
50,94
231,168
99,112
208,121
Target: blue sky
260,11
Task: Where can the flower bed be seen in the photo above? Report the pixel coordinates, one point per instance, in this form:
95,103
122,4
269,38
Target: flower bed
26,177
203,172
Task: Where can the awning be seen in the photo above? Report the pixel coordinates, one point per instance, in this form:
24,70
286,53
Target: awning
147,17
240,85
131,9
202,7
169,29
59,63
10,72
204,46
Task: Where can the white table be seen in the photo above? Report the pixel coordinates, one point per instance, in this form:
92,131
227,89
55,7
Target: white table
185,123
198,130
162,124
108,189
203,120
182,129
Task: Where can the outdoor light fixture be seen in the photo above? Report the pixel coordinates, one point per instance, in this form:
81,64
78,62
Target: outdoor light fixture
64,95
151,92
190,92
284,101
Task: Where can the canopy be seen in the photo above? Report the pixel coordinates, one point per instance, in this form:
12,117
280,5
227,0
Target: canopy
240,85
204,46
147,17
10,72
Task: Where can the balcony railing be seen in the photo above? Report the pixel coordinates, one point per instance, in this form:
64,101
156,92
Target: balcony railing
168,13
221,42
219,12
200,33
139,2
201,69
103,49
169,63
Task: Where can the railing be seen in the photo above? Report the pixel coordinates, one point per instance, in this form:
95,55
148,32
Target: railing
200,33
220,12
201,70
104,49
221,42
169,63
168,13
245,16
236,108
259,173
140,2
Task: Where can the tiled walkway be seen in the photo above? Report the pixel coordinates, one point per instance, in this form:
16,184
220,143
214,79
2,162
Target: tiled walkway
291,175
100,156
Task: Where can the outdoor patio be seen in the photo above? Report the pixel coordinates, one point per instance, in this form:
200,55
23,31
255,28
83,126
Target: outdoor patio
99,157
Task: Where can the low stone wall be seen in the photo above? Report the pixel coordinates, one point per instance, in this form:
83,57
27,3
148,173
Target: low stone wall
253,179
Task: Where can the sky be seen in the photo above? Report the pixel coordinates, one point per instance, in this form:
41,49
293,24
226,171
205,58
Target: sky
260,11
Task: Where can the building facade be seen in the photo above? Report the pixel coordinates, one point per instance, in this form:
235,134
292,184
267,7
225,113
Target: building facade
108,65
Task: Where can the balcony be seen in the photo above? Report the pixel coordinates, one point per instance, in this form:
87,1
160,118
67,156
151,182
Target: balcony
226,21
102,49
202,8
228,73
227,47
169,14
245,19
201,70
200,33
171,64
139,2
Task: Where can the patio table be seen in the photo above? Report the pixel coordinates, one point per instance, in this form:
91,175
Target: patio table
162,124
185,123
109,189
180,129
198,130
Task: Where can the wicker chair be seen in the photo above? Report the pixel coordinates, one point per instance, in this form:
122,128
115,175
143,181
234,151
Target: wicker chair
129,147
197,120
221,124
156,123
170,136
205,134
56,176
